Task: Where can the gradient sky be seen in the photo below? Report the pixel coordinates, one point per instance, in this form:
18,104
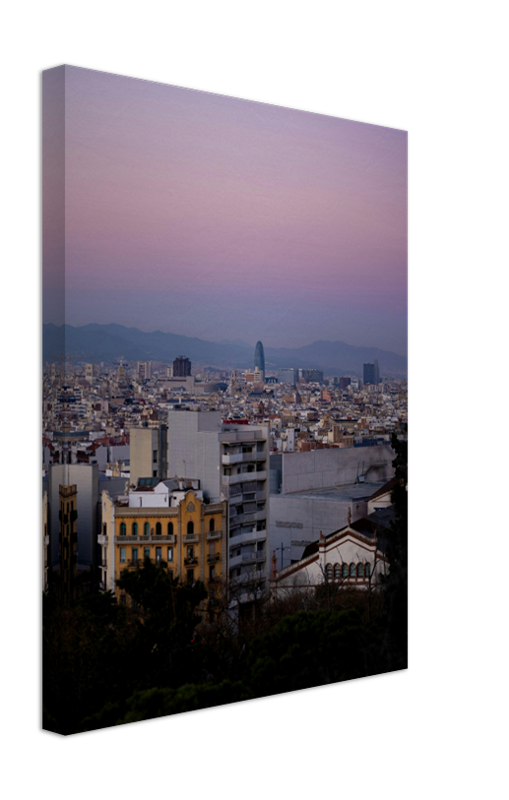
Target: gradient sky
221,218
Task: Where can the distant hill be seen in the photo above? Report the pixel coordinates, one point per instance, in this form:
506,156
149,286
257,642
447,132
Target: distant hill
108,343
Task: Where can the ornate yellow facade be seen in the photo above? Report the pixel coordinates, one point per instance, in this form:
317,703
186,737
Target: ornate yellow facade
190,538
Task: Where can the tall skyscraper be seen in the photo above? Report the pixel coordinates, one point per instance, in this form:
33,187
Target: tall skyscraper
181,367
371,374
259,358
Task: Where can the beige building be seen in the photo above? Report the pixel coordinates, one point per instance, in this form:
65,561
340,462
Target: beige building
147,453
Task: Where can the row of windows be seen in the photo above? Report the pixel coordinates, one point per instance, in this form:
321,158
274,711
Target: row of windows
190,554
338,571
159,528
135,554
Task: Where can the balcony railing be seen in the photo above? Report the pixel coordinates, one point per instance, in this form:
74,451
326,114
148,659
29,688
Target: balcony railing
212,535
211,559
190,562
254,557
189,538
151,539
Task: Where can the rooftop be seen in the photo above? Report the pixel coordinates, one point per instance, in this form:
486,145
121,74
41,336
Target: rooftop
350,491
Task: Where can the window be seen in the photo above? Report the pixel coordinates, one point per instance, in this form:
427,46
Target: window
212,573
190,528
212,524
190,551
159,529
367,570
344,571
123,555
158,554
352,570
337,572
360,570
122,529
135,529
170,528
122,599
212,549
146,529
170,553
328,572
146,552
190,576
135,555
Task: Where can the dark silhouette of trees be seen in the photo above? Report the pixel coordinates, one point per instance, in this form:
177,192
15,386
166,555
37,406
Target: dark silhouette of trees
396,582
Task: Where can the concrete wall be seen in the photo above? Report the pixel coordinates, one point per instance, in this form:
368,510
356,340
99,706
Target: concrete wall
295,518
321,469
194,449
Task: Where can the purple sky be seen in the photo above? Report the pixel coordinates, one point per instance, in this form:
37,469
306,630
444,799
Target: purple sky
222,218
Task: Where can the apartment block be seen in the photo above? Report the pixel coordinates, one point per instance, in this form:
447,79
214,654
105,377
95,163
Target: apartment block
164,521
231,461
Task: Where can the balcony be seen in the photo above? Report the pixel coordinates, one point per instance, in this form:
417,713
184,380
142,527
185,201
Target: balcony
228,480
191,538
249,537
212,559
254,558
191,562
242,458
152,539
213,535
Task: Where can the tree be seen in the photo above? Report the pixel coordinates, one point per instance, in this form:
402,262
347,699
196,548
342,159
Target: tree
396,582
168,655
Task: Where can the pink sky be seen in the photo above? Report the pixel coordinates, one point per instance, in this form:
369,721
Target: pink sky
222,218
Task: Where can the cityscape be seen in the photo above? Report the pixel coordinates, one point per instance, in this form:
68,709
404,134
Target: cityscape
224,443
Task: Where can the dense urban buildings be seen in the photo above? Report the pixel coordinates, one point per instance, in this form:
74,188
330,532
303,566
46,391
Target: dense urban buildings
109,427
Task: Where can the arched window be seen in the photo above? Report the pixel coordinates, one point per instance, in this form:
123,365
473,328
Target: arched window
212,524
328,572
337,572
170,528
146,529
122,529
135,529
352,570
360,570
367,570
344,571
159,529
190,527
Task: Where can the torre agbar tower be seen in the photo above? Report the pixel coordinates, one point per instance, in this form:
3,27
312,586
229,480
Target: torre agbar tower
259,359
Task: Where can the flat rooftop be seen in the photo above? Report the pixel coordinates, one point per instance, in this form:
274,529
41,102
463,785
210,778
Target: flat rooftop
350,491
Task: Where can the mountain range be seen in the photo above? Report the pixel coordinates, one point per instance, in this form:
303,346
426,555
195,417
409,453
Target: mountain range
96,343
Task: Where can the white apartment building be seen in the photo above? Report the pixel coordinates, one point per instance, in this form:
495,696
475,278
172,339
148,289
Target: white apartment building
231,461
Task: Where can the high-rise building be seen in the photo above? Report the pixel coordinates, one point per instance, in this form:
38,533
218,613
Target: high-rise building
287,375
259,358
231,460
181,367
144,370
371,374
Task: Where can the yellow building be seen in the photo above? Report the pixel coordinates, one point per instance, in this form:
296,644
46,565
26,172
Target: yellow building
164,521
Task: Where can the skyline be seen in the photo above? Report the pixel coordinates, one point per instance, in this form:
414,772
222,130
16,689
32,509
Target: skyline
221,218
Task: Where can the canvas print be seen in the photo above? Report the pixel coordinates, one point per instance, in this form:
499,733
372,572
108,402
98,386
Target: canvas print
224,444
